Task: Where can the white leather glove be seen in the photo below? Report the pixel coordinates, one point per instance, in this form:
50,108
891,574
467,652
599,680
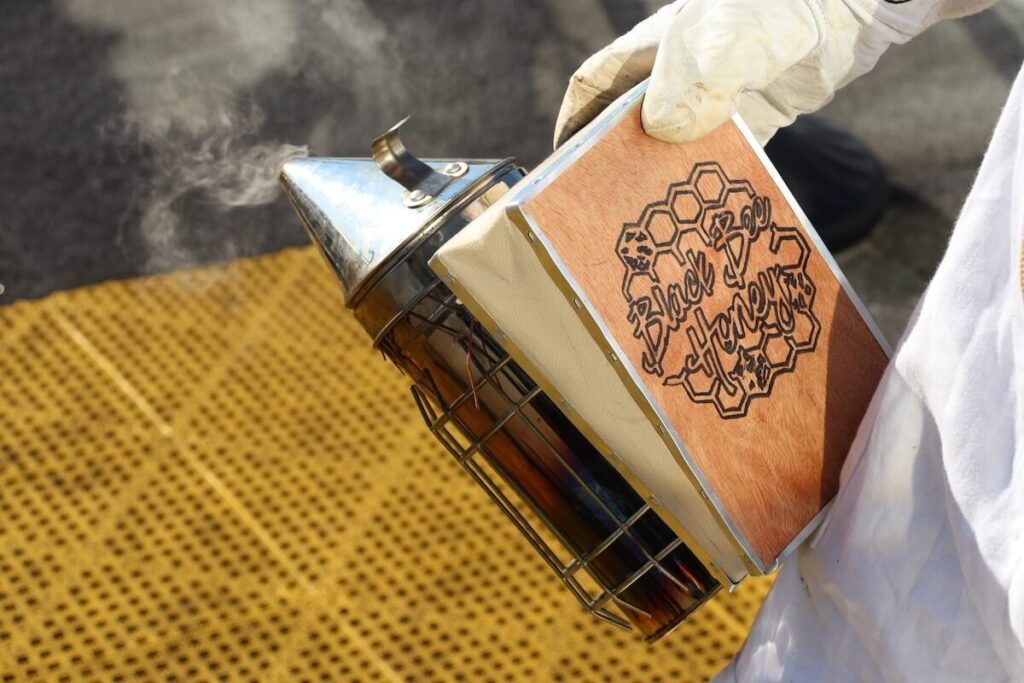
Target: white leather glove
771,60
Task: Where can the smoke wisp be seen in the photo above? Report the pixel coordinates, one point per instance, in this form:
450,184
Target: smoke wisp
186,67
221,161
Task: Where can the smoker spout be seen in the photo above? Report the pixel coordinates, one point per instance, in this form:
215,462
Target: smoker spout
378,221
352,212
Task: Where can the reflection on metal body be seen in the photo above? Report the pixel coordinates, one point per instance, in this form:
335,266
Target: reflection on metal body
356,215
597,533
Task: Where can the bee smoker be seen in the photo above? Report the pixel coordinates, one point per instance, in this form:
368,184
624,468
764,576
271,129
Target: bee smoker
378,221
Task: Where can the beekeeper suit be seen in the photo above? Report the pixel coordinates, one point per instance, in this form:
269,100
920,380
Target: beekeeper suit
917,573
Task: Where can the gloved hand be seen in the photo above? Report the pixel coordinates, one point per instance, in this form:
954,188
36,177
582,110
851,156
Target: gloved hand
771,60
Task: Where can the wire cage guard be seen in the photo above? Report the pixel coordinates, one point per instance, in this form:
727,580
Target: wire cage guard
603,540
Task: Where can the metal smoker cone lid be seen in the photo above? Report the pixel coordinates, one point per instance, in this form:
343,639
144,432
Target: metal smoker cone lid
357,213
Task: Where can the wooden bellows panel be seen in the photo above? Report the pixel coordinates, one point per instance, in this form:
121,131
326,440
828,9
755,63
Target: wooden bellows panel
732,322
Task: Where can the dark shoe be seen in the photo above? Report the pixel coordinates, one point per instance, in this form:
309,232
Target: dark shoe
836,179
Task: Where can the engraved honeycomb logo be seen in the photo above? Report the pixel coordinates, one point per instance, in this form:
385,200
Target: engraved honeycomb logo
718,292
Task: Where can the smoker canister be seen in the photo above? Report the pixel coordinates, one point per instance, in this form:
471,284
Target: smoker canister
604,541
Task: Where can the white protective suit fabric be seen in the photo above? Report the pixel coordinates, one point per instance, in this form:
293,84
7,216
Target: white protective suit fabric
770,60
918,572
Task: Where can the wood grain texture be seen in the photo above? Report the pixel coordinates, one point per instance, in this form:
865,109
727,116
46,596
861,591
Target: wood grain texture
742,334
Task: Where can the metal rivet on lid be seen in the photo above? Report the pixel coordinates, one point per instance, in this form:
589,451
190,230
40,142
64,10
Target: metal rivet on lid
455,168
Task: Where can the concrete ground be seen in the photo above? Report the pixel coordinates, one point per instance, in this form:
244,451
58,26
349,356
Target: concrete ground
144,137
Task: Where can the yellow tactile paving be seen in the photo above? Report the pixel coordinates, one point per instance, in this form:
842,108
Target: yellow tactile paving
211,476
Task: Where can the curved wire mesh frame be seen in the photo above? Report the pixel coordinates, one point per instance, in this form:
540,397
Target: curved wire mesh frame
488,366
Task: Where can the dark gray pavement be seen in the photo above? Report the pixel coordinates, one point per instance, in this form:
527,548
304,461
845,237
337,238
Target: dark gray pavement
143,137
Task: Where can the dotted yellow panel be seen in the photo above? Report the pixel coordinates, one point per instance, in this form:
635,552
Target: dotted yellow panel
212,476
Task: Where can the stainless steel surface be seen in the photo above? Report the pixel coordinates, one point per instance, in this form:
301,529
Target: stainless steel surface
406,274
357,216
